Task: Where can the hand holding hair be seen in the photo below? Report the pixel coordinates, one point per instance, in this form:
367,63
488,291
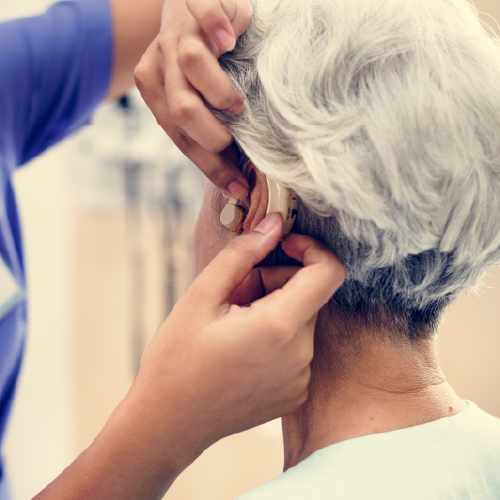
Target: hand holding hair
212,369
180,70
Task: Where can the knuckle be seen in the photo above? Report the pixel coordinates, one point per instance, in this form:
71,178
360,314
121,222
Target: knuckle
190,53
139,75
209,12
182,109
141,72
163,45
183,142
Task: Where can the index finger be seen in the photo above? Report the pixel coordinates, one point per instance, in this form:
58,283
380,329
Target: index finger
220,169
312,286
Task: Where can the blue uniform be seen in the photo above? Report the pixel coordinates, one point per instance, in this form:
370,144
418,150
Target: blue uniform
54,70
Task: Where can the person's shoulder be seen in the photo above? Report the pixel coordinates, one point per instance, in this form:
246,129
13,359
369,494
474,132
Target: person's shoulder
437,460
479,429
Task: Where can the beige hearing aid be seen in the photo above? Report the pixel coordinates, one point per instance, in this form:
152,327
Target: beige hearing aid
280,199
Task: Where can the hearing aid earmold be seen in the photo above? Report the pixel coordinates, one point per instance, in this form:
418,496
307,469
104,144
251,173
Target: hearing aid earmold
281,199
233,216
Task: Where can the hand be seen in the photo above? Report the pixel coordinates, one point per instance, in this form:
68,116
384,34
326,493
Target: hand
226,368
180,69
212,369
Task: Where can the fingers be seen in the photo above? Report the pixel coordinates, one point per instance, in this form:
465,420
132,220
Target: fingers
204,73
312,286
262,281
222,172
232,265
190,113
180,69
219,169
214,22
222,20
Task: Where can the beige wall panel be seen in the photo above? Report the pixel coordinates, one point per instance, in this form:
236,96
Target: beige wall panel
489,9
102,347
469,345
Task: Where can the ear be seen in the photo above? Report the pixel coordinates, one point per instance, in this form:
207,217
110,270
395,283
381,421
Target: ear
257,199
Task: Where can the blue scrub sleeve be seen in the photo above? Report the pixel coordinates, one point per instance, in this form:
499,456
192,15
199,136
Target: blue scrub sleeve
55,69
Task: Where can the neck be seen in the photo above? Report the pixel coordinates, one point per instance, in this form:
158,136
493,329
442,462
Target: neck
367,385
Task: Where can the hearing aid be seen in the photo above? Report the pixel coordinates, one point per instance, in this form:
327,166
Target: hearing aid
281,199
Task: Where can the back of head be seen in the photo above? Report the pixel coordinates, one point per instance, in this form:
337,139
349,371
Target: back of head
384,116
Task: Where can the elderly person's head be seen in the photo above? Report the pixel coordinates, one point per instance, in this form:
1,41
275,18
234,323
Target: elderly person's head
384,116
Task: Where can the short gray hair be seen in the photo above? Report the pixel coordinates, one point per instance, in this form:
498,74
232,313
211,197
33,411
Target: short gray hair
384,116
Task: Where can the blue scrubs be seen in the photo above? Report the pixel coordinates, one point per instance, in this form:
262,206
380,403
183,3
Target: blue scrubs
54,70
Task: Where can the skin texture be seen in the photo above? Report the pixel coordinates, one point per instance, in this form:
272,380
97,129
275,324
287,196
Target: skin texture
366,386
362,382
180,69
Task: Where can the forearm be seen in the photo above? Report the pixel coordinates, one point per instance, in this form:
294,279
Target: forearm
135,25
213,369
133,457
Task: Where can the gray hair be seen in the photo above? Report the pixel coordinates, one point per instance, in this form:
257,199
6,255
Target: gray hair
384,116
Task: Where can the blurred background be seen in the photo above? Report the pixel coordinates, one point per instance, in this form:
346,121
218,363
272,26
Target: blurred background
108,218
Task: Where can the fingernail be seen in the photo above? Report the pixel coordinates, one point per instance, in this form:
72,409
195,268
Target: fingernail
225,40
237,190
267,225
236,108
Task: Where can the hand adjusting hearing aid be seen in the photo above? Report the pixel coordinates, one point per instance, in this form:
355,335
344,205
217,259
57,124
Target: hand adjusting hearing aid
280,199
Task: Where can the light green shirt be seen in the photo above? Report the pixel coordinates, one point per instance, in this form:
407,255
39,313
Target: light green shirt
455,458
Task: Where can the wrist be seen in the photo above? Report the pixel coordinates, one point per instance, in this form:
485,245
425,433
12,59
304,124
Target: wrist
158,428
139,453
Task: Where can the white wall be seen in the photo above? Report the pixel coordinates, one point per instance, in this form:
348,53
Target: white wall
40,435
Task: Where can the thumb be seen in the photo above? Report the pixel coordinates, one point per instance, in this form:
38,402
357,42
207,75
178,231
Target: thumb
233,264
222,20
